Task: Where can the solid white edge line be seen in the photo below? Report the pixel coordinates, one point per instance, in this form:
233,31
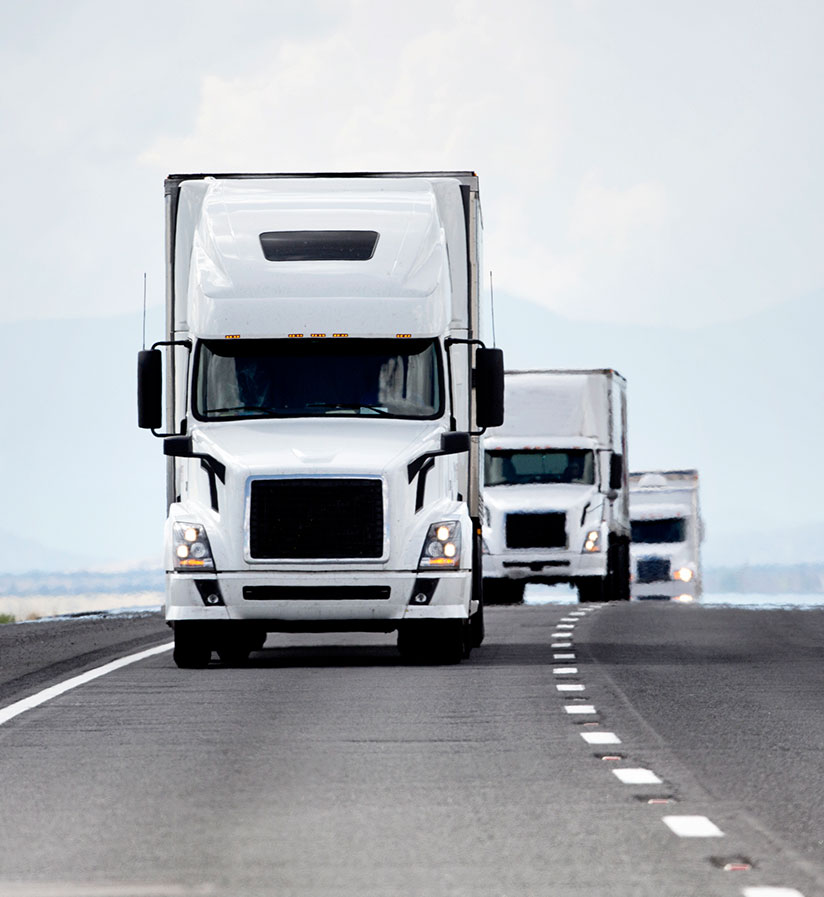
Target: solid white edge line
692,826
55,691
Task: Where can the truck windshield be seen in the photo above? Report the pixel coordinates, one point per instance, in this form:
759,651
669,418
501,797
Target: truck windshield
659,531
520,466
312,377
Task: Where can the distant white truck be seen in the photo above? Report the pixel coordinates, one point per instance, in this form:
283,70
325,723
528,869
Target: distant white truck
556,495
326,386
667,531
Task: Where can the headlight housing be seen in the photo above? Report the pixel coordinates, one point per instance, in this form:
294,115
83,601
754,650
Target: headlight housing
592,543
442,546
191,548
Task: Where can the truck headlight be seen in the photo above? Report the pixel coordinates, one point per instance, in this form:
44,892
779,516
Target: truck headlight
191,548
593,541
684,574
442,547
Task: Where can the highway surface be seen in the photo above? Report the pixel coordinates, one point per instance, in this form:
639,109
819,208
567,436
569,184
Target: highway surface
630,749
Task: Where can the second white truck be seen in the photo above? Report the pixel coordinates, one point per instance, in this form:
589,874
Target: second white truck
556,493
666,535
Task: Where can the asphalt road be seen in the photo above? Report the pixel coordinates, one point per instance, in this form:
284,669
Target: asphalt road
329,767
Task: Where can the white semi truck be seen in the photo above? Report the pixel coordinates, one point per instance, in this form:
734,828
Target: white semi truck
321,391
556,495
667,531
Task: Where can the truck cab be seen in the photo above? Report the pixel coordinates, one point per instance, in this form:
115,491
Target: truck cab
326,385
667,531
555,486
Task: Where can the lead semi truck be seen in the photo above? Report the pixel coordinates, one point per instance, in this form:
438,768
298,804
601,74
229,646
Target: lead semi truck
556,495
321,392
667,531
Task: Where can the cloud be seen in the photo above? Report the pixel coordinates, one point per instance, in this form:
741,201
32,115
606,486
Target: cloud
638,161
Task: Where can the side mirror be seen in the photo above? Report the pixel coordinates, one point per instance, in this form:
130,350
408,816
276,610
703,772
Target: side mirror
149,389
489,387
178,446
453,443
616,471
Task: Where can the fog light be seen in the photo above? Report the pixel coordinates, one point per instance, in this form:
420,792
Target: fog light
213,599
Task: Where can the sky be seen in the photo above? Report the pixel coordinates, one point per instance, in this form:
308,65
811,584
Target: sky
643,164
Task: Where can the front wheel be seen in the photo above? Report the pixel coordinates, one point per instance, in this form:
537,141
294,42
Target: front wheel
192,651
477,629
616,586
434,641
591,589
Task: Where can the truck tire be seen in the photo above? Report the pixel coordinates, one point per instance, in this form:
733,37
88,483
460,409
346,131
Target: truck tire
436,641
504,591
591,588
477,629
616,585
192,651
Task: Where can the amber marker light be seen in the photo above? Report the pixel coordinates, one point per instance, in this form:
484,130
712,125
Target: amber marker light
232,336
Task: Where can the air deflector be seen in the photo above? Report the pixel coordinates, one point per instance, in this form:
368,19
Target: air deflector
319,245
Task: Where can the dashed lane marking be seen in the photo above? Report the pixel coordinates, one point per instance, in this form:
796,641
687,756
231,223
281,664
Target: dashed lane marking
564,625
563,657
600,738
570,686
565,671
55,691
771,892
637,776
580,708
692,826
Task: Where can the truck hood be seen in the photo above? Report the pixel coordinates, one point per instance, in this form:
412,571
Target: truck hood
314,446
543,497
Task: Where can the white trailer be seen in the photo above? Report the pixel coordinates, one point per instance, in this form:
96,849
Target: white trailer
325,389
667,531
555,490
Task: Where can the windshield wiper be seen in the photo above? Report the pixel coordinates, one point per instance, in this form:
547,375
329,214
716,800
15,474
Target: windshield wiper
347,406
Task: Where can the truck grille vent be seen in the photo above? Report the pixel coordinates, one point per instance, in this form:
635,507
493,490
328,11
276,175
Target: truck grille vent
317,593
316,518
653,569
536,530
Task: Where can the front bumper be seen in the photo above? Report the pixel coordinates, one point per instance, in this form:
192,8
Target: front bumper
558,565
667,589
450,599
